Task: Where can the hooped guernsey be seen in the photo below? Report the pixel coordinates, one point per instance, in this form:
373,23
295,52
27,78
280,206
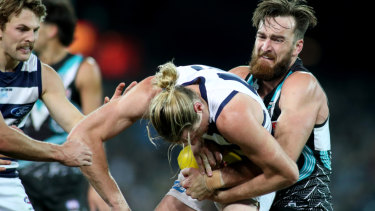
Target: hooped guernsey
217,88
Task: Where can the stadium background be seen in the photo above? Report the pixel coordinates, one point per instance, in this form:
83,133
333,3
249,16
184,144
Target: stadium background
130,38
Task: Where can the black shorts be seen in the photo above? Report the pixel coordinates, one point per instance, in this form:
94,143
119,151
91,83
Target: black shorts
53,186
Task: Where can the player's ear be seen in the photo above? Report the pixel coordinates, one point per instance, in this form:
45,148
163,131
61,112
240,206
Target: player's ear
198,107
298,47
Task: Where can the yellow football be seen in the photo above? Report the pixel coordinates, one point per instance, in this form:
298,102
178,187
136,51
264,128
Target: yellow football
186,158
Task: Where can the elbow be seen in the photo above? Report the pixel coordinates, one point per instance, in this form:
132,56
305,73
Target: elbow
293,175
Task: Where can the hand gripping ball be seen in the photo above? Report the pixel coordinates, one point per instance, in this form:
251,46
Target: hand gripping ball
186,158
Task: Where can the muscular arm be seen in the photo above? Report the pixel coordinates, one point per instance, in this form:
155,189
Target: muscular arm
104,123
278,170
303,104
20,146
89,85
53,96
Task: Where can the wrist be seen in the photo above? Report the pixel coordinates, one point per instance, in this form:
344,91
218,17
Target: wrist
57,153
215,181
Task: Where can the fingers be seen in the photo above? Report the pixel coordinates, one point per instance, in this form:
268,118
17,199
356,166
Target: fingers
218,157
119,90
5,162
185,172
106,100
86,163
132,84
199,161
77,154
210,156
206,164
117,93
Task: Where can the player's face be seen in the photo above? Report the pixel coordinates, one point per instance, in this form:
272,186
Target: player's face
273,49
19,35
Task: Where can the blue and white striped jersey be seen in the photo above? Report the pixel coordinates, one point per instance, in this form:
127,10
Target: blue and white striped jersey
217,88
19,90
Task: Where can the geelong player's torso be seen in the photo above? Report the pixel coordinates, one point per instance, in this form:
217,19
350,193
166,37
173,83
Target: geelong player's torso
217,88
19,90
40,125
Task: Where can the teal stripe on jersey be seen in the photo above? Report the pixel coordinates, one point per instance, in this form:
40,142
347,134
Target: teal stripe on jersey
324,156
309,165
76,59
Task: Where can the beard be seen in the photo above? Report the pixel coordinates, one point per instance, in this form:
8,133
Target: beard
263,71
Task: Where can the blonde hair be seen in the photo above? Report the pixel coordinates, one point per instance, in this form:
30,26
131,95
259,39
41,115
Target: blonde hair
172,110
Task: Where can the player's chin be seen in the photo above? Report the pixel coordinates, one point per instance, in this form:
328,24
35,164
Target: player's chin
23,56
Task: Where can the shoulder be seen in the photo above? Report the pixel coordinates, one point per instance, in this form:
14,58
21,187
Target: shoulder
241,107
89,63
46,69
241,71
301,81
89,66
88,71
302,86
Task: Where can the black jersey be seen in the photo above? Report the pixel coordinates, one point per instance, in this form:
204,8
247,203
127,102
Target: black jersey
312,191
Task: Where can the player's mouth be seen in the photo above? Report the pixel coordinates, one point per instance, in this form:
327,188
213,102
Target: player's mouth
25,49
267,56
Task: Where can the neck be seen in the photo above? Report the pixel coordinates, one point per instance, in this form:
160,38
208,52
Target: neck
53,53
195,88
265,87
7,64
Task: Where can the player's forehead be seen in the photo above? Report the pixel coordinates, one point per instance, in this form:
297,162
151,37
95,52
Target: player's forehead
279,24
26,17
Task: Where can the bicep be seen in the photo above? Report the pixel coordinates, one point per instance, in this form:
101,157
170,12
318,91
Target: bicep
54,98
299,105
242,125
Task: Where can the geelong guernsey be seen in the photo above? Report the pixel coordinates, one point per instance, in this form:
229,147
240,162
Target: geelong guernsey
19,90
217,88
40,125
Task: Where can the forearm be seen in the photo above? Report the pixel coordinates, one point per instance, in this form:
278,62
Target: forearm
18,145
232,175
100,178
254,187
269,180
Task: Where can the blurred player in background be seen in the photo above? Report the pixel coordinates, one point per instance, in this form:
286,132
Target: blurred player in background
52,186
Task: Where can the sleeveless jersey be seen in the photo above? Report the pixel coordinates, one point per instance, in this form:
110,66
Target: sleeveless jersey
217,88
40,125
312,191
19,90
